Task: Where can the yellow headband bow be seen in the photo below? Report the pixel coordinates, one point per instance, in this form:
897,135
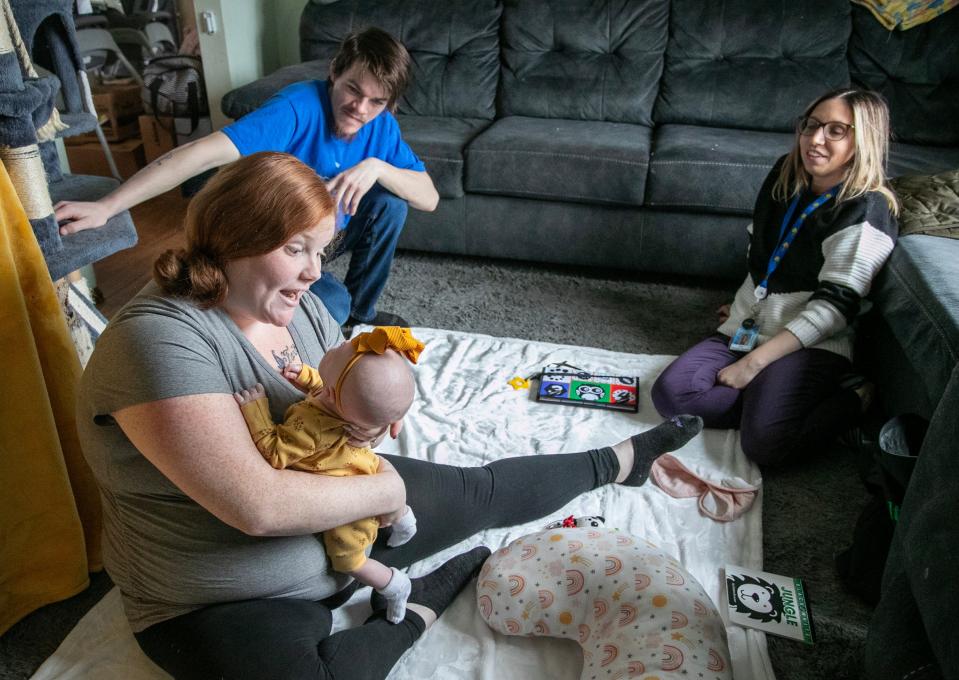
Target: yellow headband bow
378,341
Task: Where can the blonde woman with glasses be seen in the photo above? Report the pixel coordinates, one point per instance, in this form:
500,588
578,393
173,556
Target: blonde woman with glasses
780,364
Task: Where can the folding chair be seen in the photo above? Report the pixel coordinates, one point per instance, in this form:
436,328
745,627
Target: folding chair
160,38
98,44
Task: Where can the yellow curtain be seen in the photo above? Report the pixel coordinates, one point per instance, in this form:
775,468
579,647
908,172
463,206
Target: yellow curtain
49,506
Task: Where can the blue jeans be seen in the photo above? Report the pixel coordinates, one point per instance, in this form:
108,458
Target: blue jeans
372,234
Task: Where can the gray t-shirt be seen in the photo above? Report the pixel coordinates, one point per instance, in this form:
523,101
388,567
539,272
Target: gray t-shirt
167,554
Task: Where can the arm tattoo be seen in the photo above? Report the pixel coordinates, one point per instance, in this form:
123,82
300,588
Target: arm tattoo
165,157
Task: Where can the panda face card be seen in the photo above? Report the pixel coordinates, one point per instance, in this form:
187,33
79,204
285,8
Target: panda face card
560,384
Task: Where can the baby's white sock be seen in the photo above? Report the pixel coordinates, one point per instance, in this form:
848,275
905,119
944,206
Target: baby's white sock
396,592
403,529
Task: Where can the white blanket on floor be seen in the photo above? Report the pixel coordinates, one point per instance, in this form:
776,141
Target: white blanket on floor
466,413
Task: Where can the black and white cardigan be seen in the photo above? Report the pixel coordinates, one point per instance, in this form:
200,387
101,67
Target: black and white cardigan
816,291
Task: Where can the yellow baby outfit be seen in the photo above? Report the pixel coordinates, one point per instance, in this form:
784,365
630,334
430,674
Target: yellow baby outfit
312,439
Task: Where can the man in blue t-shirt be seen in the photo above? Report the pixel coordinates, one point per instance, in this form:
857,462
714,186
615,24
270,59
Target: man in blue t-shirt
343,129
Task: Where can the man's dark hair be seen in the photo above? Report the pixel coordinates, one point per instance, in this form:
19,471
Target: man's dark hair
381,55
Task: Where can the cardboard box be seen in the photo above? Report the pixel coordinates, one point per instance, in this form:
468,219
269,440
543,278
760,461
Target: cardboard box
117,107
157,140
90,158
162,135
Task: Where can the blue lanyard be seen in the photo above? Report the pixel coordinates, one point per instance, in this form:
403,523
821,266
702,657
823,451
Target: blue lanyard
762,290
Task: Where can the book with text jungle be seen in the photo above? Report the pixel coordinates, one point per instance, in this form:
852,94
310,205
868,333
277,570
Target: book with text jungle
768,602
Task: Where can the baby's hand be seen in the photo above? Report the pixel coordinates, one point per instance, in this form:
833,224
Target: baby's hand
246,396
387,519
291,372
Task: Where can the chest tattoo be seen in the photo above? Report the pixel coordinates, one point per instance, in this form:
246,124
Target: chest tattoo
285,356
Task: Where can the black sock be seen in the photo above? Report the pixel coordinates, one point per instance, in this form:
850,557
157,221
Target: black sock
439,588
669,435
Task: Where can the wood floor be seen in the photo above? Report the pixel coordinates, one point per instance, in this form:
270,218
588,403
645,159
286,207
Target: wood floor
159,226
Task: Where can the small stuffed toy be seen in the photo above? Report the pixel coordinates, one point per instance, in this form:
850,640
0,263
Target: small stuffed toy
571,522
633,609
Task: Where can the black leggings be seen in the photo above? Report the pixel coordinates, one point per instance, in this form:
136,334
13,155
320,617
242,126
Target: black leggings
287,638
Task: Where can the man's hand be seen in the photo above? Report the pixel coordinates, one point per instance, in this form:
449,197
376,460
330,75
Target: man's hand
350,186
723,313
74,216
246,396
739,374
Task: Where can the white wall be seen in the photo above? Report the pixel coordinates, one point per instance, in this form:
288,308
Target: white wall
252,38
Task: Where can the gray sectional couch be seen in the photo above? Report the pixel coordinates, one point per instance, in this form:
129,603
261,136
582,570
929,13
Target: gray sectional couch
630,134
634,134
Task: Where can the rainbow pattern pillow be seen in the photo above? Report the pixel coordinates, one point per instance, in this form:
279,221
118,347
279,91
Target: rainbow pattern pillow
633,609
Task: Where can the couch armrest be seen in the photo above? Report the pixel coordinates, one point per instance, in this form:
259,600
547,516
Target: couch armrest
239,102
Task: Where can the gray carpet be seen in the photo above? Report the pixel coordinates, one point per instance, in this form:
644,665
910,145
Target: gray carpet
809,509
594,308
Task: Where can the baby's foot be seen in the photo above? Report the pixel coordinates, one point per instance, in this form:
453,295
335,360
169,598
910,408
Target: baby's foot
437,590
396,593
404,529
669,435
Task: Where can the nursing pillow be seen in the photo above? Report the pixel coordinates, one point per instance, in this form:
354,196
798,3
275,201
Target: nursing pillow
633,609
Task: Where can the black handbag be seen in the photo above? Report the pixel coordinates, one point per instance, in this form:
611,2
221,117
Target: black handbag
173,87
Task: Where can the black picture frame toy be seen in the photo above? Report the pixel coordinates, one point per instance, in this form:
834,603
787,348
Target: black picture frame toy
566,384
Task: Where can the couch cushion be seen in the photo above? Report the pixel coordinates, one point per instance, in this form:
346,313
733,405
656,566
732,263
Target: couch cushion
606,236
239,102
751,65
711,169
439,142
454,46
912,159
583,59
715,169
917,71
569,160
918,297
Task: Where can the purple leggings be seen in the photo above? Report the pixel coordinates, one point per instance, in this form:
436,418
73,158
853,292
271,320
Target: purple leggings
794,407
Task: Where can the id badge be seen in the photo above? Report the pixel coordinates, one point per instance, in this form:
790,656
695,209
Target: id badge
746,336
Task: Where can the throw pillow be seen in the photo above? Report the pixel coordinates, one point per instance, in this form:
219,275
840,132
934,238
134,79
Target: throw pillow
930,204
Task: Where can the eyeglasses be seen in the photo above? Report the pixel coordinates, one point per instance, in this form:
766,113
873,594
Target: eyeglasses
833,129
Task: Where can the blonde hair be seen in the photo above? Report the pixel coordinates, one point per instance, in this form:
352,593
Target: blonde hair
867,171
250,207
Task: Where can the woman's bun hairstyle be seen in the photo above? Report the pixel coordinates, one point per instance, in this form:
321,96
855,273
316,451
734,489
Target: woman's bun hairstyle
194,275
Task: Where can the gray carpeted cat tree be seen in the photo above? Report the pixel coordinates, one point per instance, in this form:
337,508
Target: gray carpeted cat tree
42,32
